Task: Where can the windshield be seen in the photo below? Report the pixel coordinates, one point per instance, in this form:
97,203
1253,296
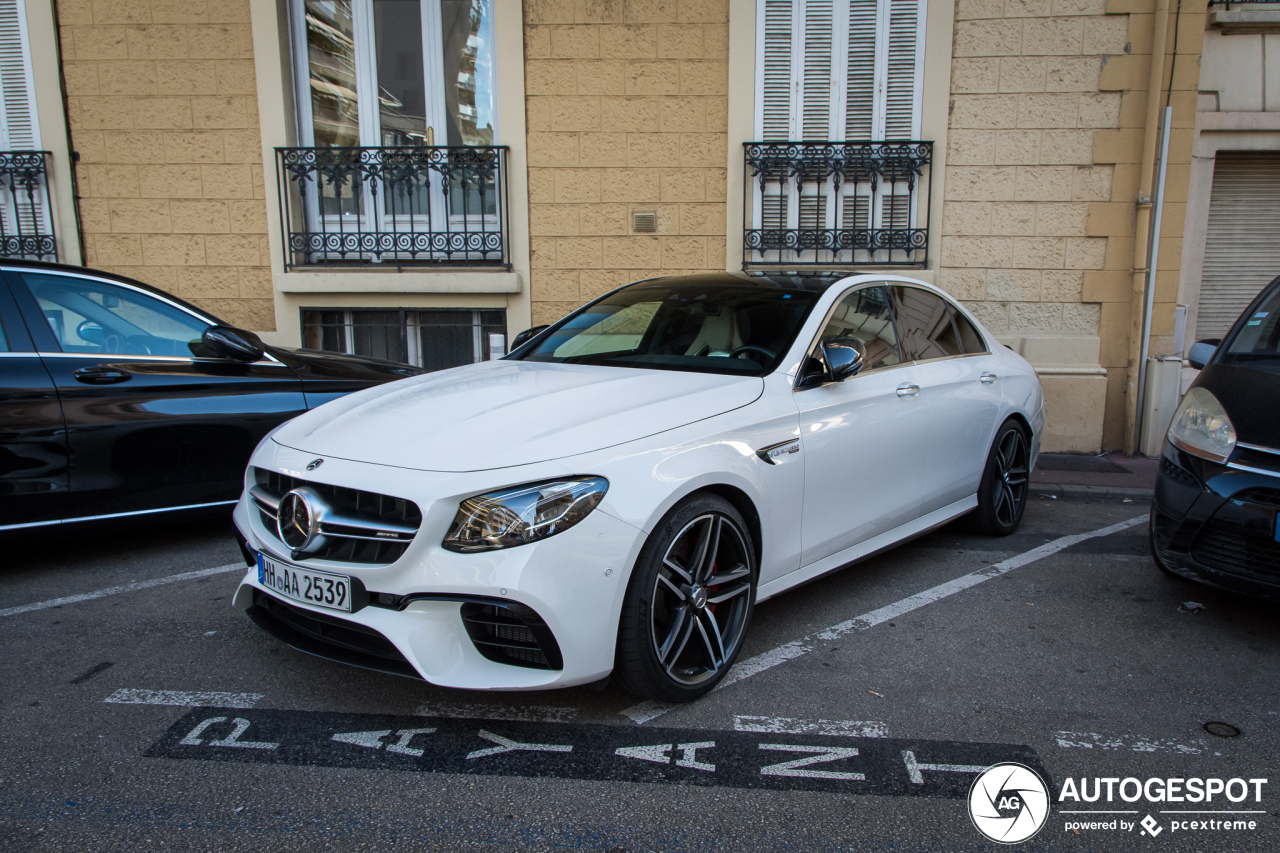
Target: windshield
1256,341
707,328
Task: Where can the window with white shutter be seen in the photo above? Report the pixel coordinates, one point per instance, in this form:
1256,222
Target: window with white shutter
837,71
26,227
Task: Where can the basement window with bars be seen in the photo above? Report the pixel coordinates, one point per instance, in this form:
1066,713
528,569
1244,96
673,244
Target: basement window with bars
434,338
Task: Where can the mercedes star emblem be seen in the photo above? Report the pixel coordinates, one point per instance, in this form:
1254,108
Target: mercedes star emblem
314,464
295,520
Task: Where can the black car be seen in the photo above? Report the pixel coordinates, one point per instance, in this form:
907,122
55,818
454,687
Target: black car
1217,498
119,401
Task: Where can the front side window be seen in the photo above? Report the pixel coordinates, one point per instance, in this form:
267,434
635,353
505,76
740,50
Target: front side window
1256,340
866,316
94,317
924,324
431,339
715,328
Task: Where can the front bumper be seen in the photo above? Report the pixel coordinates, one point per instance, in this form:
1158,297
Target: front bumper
1216,524
419,615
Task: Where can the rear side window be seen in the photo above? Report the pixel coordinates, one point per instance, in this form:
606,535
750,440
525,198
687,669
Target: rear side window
969,337
924,325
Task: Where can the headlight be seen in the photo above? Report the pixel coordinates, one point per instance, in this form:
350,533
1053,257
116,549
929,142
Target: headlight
523,514
1201,427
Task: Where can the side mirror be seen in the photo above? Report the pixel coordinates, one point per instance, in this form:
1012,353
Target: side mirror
522,338
845,356
91,332
236,344
1201,352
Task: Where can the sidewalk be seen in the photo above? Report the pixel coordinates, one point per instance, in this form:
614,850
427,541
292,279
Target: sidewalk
1111,476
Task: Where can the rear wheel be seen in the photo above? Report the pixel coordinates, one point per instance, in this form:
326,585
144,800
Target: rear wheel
1002,495
689,602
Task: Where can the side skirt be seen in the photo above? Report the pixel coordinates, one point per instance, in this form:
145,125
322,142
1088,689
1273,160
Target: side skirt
868,548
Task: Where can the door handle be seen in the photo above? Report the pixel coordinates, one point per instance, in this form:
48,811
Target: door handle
102,375
988,378
908,389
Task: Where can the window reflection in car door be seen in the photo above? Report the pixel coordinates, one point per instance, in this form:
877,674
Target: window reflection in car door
861,438
34,462
951,367
151,422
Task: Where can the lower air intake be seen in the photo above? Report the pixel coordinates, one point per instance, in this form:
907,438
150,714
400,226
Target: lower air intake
511,634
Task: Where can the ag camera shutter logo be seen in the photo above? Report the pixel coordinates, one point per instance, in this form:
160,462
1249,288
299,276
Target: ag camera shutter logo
1009,803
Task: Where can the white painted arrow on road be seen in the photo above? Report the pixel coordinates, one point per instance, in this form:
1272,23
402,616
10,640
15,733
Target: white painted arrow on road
661,754
373,740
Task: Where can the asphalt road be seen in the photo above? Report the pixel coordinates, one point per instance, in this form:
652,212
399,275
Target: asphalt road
852,734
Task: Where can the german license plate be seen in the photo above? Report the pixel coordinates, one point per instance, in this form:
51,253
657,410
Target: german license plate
319,589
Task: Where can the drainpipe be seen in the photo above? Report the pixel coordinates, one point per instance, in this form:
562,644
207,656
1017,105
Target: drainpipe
1142,231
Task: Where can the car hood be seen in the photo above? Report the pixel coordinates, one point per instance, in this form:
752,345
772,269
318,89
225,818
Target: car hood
1251,398
500,414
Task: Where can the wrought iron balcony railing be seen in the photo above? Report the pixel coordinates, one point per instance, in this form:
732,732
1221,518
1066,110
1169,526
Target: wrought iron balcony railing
836,203
406,205
26,224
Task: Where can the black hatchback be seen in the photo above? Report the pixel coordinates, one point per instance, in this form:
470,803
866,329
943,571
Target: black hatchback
1217,501
119,401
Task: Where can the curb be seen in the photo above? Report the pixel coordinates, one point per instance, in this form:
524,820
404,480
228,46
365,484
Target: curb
1092,493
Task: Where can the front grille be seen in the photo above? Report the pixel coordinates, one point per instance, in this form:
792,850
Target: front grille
1225,546
1177,473
511,634
368,527
1266,497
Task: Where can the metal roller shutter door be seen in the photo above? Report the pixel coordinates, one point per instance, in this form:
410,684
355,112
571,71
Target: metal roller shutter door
1242,242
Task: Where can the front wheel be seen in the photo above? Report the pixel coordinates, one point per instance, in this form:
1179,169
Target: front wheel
688,603
1002,495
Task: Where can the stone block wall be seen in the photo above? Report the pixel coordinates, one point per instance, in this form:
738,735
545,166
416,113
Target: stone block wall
627,111
1048,110
164,115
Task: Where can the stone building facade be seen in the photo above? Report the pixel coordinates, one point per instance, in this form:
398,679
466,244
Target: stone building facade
624,123
162,108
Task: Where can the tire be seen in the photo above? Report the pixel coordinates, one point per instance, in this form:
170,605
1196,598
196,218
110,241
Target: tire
1002,494
679,633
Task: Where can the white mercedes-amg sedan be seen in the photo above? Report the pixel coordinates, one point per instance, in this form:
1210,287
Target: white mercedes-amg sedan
616,495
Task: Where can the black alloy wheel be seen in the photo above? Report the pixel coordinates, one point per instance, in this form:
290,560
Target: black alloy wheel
1002,495
689,602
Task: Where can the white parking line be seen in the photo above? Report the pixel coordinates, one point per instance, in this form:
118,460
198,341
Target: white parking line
514,713
1134,743
787,725
208,699
649,709
116,590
